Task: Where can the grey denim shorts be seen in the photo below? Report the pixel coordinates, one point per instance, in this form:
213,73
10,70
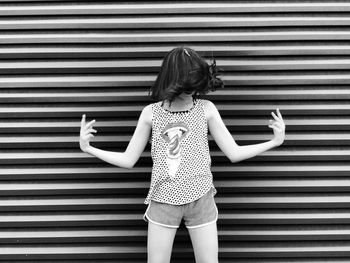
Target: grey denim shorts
198,213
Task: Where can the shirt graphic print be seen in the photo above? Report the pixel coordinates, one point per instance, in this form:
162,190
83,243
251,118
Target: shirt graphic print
173,134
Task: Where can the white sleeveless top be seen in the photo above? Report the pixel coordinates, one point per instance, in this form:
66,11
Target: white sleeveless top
180,152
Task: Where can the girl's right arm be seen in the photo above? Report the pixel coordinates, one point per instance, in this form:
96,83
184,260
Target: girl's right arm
134,150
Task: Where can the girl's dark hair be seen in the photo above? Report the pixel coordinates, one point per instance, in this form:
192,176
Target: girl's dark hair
184,70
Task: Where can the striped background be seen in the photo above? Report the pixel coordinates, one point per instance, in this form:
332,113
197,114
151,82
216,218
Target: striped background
60,59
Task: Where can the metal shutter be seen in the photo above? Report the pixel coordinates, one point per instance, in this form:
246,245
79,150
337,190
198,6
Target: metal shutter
60,59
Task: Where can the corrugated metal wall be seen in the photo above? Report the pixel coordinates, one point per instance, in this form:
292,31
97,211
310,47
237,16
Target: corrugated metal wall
60,59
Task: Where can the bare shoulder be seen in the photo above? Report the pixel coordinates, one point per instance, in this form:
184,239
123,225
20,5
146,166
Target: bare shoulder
146,115
210,109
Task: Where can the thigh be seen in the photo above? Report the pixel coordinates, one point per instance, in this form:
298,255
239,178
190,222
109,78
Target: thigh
159,243
205,243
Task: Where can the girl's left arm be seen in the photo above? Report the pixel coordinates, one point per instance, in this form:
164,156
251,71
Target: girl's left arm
227,144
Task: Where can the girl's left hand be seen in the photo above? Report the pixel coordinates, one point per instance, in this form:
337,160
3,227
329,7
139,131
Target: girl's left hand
86,135
278,127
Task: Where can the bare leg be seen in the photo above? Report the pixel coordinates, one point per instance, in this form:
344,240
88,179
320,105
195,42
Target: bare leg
160,243
205,243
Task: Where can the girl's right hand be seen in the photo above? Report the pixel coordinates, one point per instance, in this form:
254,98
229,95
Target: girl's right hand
278,127
85,133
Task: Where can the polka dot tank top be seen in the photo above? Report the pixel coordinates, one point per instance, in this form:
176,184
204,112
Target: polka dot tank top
180,152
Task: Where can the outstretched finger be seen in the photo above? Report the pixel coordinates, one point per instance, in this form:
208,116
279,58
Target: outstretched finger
275,116
92,130
89,125
279,114
82,125
83,120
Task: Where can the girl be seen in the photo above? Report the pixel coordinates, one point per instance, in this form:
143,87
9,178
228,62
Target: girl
181,184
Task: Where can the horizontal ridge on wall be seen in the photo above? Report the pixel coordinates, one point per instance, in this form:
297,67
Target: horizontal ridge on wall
147,51
67,7
62,59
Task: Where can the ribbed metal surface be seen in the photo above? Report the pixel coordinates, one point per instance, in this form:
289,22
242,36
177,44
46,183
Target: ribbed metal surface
60,59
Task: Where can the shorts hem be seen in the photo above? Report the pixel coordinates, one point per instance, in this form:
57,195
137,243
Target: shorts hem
202,225
147,219
208,223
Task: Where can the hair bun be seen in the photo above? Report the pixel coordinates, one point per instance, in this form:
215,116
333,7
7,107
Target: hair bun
214,82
